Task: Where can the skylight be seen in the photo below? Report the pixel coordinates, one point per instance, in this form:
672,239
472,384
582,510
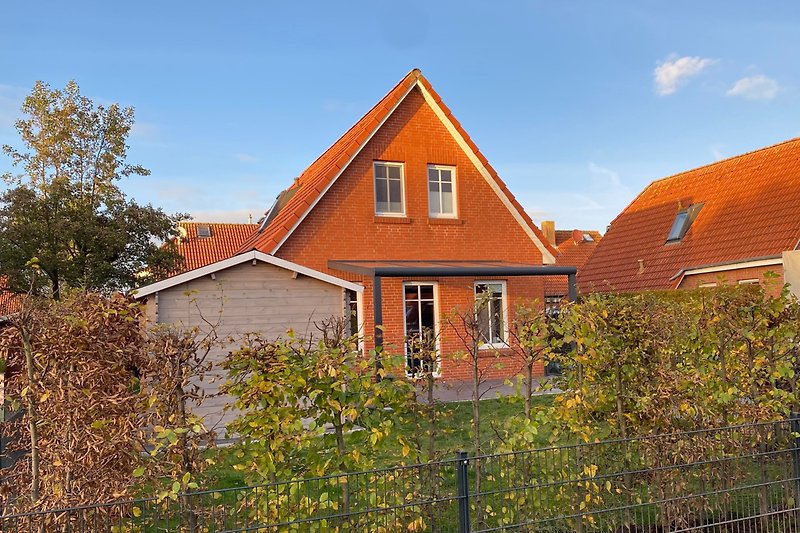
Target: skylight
587,237
683,220
204,231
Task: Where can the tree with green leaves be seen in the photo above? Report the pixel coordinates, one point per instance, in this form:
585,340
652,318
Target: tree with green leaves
66,210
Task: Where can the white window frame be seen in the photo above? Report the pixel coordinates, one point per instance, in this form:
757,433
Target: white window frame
401,166
749,281
436,325
504,285
452,169
359,316
708,285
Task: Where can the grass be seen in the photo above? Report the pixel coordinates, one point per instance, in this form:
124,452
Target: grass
455,433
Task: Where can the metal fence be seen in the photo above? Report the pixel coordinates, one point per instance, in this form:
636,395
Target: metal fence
736,479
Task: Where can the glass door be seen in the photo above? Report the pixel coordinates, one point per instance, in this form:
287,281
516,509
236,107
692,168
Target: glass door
420,328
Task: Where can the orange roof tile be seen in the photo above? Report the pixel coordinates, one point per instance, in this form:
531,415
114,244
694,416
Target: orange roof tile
319,175
749,211
225,239
9,302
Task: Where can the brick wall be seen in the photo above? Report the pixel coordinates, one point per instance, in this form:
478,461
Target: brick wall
732,277
343,226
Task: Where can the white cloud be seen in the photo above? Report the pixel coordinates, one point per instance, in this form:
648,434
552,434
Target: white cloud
757,87
144,130
594,196
245,158
674,71
334,105
11,98
233,216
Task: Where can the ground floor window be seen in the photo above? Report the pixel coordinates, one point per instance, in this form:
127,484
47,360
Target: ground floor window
552,304
351,311
420,328
491,312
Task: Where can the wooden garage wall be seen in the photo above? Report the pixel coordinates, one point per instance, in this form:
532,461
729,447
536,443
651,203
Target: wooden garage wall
243,299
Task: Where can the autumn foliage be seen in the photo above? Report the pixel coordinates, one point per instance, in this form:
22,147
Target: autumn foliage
102,407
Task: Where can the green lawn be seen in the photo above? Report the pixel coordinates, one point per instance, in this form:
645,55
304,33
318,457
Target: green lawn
454,435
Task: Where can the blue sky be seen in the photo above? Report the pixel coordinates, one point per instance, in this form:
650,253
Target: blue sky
578,105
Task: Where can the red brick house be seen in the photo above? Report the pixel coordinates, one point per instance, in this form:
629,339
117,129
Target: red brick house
728,222
403,190
407,186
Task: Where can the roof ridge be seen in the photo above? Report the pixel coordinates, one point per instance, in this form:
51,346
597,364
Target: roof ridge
726,160
217,223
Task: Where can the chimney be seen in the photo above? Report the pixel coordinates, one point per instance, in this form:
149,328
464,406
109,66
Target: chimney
549,230
250,218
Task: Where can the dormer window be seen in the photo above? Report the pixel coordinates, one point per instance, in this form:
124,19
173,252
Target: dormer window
389,200
203,230
683,220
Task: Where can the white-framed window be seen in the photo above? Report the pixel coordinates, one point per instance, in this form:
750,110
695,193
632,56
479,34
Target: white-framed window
441,191
421,328
552,304
708,285
491,313
389,189
752,281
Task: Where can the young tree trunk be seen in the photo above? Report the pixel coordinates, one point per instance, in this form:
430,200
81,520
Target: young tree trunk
186,460
623,432
431,417
67,433
32,417
432,488
341,450
529,388
476,430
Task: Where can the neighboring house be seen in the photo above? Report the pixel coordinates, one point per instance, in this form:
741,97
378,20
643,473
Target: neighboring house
203,243
405,189
728,222
574,248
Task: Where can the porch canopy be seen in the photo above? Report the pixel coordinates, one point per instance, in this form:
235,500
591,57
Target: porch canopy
441,269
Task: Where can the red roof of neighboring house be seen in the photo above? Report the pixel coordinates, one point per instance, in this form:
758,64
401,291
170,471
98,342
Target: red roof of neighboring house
574,249
9,302
293,204
749,210
223,242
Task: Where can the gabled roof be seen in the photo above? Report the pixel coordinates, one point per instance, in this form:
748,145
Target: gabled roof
299,199
254,256
574,249
749,210
223,241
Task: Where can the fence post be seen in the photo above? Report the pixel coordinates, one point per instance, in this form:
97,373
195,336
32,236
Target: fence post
796,454
462,480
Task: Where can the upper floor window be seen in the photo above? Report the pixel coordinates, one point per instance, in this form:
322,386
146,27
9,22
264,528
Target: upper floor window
389,198
441,191
682,222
